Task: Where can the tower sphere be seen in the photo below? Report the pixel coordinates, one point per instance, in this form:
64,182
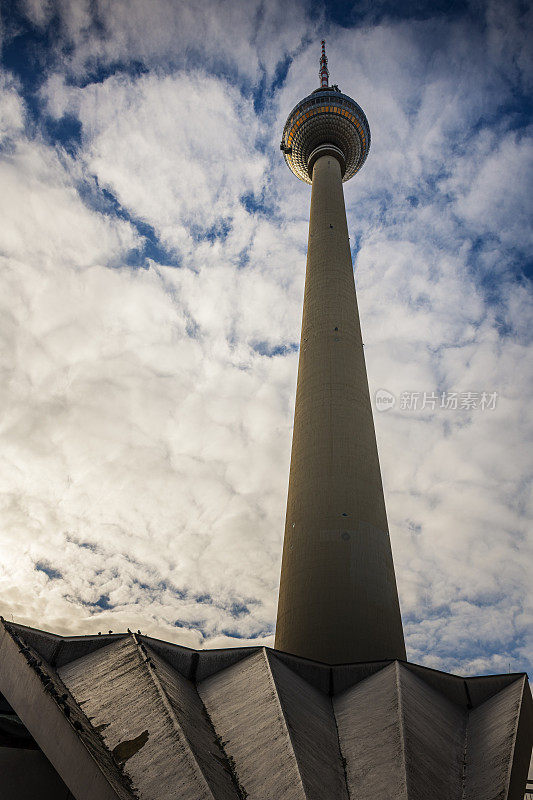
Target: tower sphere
326,122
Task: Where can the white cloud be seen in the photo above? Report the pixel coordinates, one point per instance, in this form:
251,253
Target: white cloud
11,108
483,188
146,441
252,39
176,151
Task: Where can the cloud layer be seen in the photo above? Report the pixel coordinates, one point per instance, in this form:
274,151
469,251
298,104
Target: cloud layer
153,256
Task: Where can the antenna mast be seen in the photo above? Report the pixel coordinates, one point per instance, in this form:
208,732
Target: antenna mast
323,71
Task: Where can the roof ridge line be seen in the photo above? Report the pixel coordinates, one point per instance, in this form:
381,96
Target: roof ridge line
465,750
286,727
401,723
337,733
146,661
515,733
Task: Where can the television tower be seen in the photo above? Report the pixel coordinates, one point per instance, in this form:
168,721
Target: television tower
120,716
338,600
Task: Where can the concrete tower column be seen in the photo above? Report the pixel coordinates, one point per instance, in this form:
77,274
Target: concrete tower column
338,600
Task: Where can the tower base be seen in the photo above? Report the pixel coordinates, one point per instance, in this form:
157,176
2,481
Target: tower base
125,716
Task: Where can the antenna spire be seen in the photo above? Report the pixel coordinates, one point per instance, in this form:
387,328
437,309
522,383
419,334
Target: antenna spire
323,71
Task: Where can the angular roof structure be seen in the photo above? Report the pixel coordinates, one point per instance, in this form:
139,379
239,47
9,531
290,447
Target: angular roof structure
125,716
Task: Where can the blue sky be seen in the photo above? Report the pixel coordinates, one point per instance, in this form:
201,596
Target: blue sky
153,254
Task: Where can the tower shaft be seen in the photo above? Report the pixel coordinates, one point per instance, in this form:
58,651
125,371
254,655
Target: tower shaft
338,600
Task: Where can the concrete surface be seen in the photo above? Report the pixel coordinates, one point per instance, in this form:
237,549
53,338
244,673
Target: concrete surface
259,724
338,600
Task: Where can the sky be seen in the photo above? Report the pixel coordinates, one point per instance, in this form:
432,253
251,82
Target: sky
152,253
